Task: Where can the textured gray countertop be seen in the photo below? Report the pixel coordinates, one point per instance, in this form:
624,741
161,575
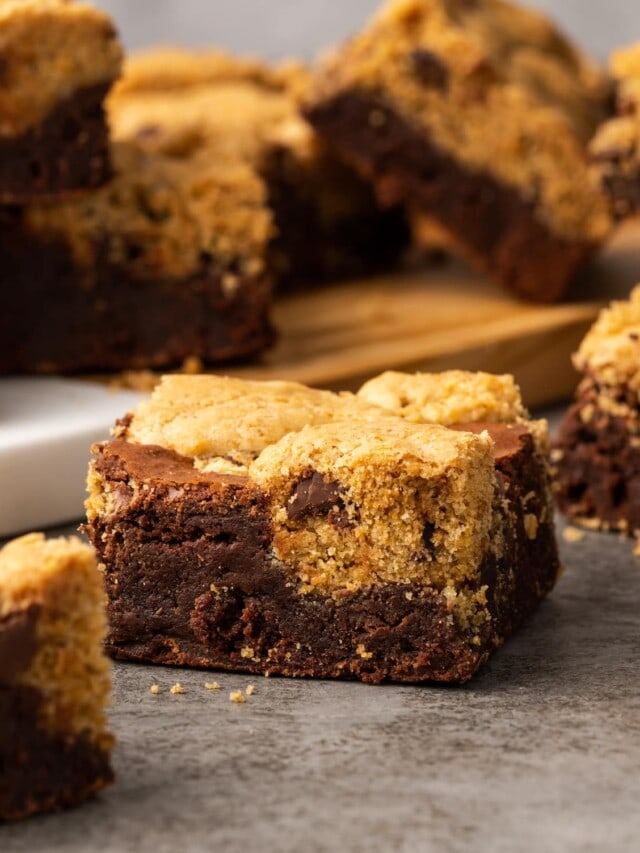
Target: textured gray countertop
541,752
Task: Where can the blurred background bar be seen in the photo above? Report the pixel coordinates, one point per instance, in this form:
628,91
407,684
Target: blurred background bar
277,28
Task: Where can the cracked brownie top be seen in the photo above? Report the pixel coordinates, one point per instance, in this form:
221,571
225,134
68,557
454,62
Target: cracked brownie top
49,49
495,85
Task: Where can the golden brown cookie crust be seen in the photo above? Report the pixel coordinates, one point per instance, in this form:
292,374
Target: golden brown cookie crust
493,85
50,49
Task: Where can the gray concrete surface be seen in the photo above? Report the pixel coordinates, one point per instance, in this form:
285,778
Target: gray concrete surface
275,28
540,753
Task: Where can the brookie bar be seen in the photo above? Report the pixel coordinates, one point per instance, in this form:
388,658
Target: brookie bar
327,224
597,451
58,60
167,261
271,528
54,677
474,114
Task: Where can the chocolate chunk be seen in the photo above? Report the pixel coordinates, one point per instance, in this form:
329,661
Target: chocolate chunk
18,643
316,496
427,536
429,69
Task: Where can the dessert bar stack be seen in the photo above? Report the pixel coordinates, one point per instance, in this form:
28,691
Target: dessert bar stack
401,533
597,452
54,677
444,122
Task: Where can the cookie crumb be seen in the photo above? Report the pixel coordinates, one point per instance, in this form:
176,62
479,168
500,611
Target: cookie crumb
531,525
237,696
177,688
155,689
364,654
212,685
572,534
250,690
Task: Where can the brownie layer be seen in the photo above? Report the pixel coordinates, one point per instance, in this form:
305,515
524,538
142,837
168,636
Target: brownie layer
491,223
52,320
190,581
597,462
314,246
66,152
39,771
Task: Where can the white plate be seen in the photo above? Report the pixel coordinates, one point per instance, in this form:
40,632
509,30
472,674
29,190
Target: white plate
46,429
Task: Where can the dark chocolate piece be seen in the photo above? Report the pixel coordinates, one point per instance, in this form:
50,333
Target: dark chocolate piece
314,496
490,221
429,68
18,643
68,151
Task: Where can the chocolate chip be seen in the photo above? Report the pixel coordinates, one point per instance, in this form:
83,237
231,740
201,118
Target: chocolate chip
148,132
315,496
429,69
18,643
427,536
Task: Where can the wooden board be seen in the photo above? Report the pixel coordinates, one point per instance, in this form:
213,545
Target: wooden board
443,317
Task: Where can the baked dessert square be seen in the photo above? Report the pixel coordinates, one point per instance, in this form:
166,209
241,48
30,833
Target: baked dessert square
596,454
59,60
276,529
55,680
327,223
616,146
167,261
475,116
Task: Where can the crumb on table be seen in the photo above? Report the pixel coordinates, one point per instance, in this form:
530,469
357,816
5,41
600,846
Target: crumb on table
572,534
